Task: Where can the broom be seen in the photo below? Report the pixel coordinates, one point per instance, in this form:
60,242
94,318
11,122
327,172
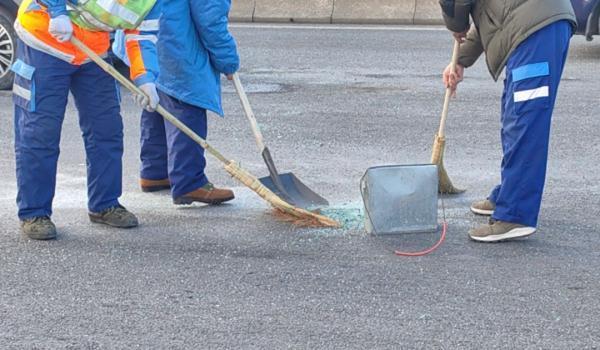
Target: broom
439,144
283,209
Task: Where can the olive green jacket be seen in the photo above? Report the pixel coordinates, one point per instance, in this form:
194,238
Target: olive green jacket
501,25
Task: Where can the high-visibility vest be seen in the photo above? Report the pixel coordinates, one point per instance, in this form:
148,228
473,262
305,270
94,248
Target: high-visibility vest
109,15
32,28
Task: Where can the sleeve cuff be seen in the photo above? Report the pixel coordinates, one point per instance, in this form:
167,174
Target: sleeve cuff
144,79
58,11
231,68
466,62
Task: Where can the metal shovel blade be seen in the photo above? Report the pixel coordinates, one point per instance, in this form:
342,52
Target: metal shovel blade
289,187
294,191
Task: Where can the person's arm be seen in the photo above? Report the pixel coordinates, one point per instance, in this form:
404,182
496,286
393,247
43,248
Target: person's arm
140,47
142,56
457,14
471,49
210,20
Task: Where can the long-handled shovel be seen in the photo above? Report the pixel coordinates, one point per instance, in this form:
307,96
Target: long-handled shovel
437,156
298,215
287,185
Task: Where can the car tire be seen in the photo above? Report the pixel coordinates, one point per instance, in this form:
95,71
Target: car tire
8,42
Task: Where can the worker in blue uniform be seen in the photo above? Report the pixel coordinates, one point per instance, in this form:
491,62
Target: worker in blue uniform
47,68
194,48
530,39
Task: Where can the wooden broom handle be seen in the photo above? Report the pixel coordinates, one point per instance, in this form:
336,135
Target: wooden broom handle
442,131
134,89
239,88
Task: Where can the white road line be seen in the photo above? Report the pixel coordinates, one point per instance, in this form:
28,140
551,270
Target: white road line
413,28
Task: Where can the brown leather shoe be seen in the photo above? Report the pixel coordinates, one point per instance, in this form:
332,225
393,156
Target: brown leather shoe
206,194
154,185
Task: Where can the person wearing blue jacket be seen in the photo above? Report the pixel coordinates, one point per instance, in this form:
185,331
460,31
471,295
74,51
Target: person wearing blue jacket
194,48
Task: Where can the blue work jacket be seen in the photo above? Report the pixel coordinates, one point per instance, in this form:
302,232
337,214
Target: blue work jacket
194,48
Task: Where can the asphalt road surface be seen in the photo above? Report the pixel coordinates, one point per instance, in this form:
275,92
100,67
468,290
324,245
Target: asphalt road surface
332,102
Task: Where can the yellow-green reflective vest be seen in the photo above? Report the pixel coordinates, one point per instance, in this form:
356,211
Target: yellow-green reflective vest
109,15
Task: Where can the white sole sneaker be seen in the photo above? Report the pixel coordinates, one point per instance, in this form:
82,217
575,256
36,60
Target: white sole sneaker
482,211
512,234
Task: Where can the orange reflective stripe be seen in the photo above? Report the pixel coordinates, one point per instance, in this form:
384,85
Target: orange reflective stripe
35,22
134,53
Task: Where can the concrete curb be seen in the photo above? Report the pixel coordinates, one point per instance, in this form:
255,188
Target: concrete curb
428,12
337,11
307,11
242,10
374,11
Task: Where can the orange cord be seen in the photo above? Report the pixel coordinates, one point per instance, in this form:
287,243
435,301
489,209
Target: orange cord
430,250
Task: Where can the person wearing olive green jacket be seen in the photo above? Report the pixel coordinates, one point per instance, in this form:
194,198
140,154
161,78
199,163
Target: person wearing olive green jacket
530,40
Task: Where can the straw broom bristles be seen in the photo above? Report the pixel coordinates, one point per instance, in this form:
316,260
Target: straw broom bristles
437,158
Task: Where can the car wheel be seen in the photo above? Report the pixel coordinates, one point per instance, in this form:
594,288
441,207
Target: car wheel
7,49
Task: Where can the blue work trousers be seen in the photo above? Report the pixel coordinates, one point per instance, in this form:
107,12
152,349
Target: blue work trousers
166,152
533,74
40,95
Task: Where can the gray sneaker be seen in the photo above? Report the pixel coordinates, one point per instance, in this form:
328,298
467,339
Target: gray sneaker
116,216
497,231
484,207
40,228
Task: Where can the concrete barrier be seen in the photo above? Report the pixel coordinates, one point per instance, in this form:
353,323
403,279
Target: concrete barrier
306,11
428,12
374,11
242,10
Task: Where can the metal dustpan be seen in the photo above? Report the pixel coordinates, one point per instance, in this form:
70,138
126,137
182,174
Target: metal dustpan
287,185
400,199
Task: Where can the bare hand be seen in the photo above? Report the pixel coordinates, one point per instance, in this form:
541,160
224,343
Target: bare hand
452,77
229,77
460,37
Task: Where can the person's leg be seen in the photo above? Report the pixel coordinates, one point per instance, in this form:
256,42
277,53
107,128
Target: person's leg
486,207
533,76
153,154
40,89
97,100
533,72
186,158
493,197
